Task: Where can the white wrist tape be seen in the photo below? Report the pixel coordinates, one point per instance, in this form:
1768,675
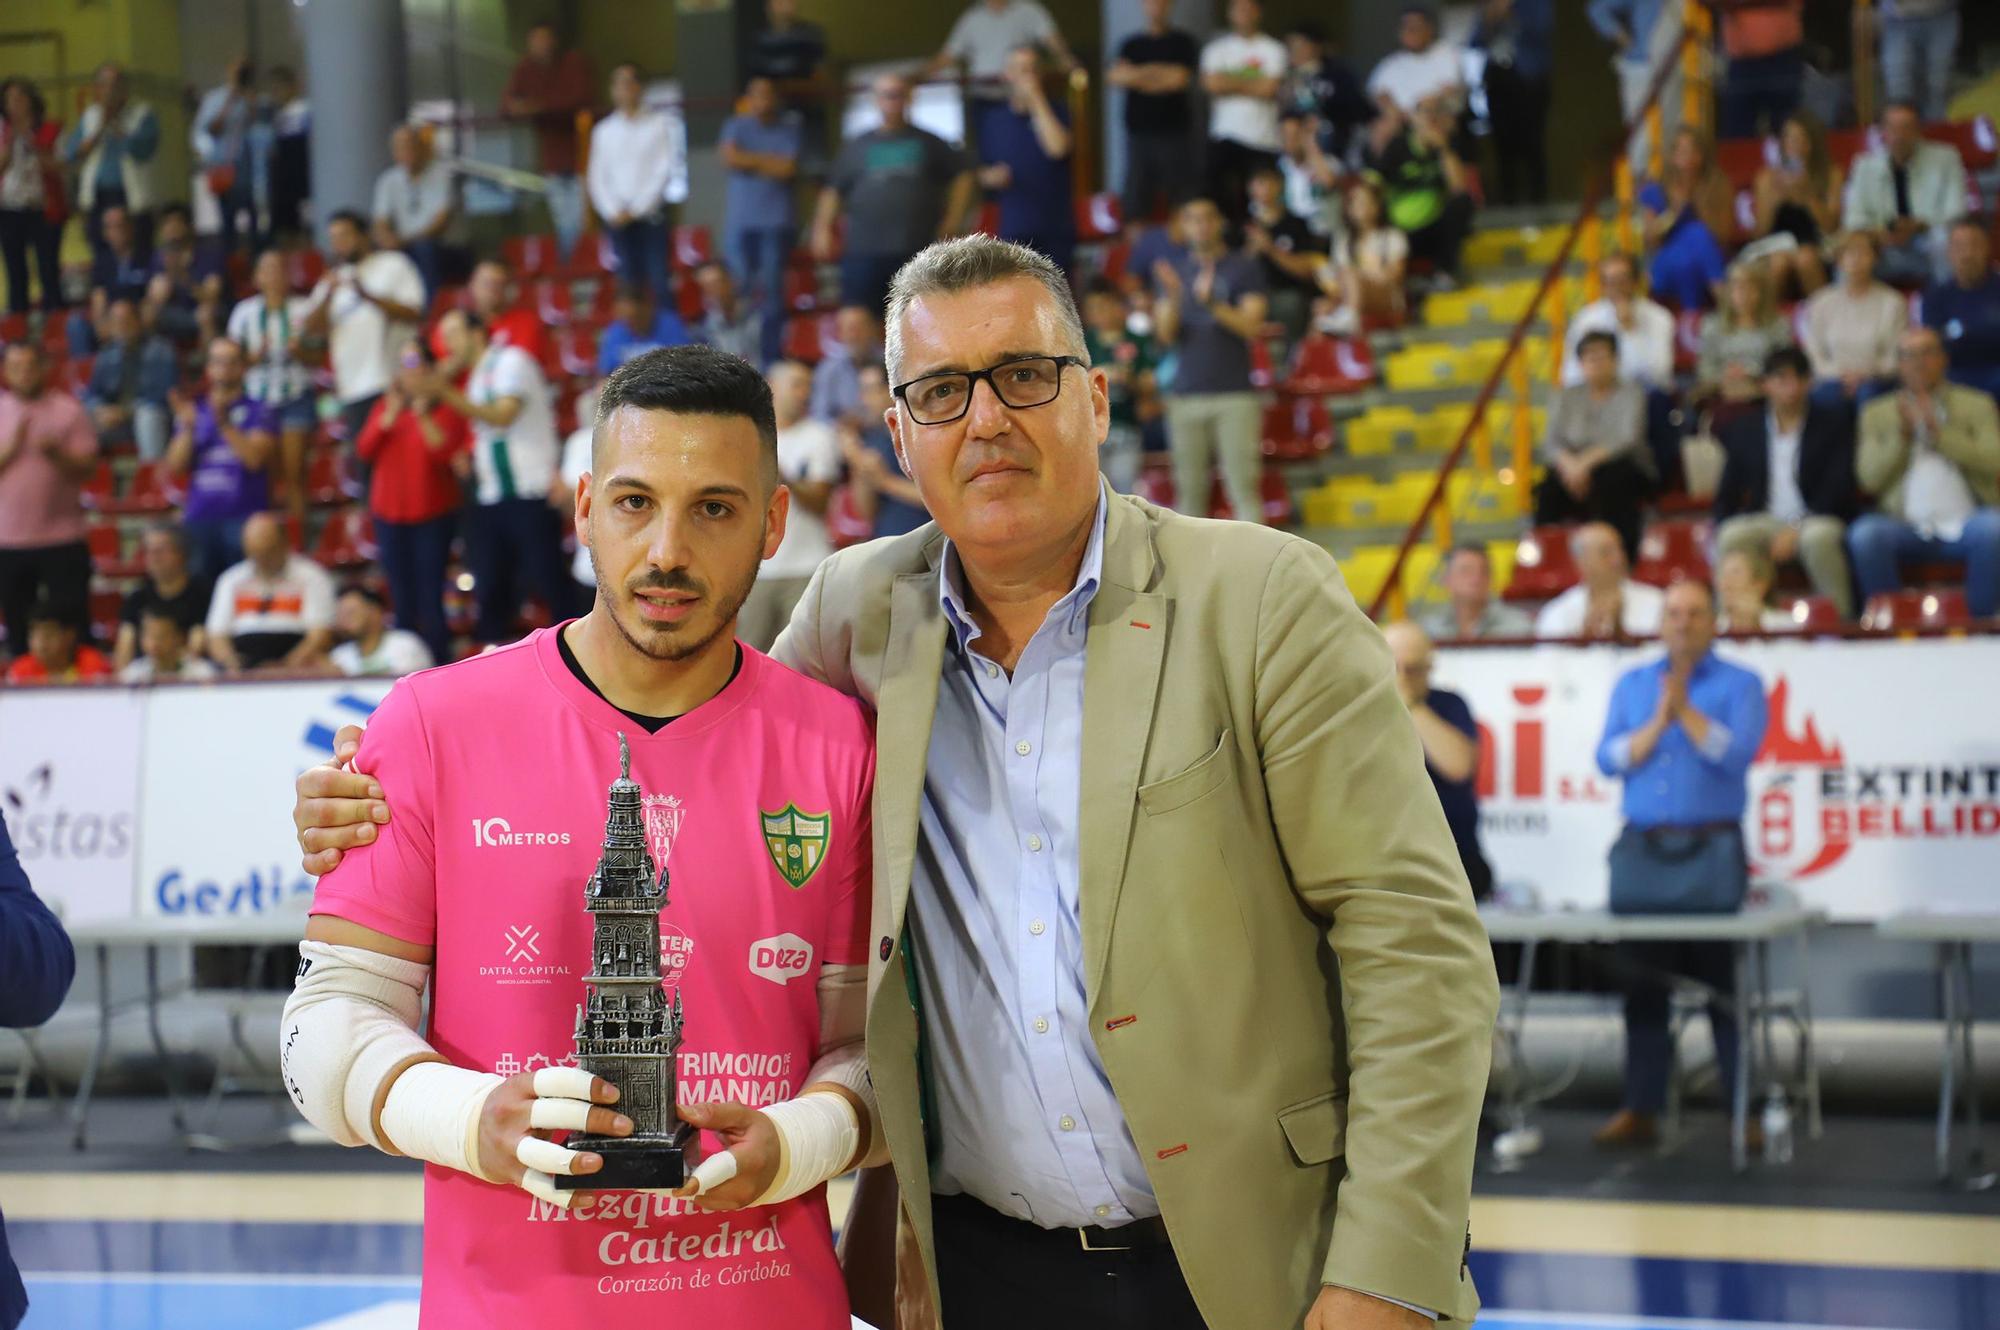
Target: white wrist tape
349,1025
817,1136
433,1112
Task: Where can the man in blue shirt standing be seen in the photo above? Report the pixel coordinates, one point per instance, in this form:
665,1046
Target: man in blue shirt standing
1024,149
36,966
1681,732
637,325
761,148
1966,310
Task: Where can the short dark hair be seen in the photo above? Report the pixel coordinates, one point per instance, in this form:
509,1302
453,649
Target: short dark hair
180,210
59,610
155,610
1902,104
349,215
633,65
1309,30
1471,547
694,380
1970,221
631,291
1788,359
367,593
1100,285
1597,337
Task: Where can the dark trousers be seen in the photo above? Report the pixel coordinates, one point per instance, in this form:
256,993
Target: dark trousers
516,550
414,555
59,574
213,545
1439,243
1763,88
996,1273
1230,166
1618,490
757,255
865,278
641,247
1162,171
428,255
354,418
1649,969
1519,110
25,231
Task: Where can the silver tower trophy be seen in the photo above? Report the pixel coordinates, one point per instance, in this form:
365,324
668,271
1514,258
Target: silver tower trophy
626,1030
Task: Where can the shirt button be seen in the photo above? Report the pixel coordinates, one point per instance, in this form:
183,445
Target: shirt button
1068,1123
1041,1026
1037,928
1024,748
1034,842
1102,1212
992,670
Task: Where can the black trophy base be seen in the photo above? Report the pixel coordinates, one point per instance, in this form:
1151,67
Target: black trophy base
631,1165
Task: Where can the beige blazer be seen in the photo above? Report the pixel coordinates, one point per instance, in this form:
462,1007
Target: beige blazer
1288,982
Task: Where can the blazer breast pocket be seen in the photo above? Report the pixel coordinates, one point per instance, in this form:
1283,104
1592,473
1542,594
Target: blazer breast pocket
1182,788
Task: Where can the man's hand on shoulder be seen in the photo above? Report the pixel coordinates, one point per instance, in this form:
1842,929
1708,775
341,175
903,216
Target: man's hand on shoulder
1339,1308
337,808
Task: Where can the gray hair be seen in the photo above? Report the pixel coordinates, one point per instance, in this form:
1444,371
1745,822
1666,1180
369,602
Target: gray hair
965,264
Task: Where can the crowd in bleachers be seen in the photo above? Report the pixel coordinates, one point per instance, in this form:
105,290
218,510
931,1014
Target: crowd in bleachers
411,416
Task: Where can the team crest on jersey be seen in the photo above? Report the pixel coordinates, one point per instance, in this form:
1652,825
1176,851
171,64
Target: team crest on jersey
663,824
797,842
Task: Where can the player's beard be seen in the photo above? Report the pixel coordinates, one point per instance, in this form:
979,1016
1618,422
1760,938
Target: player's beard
715,617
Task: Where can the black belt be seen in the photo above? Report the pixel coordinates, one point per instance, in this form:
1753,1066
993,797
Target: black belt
1139,1235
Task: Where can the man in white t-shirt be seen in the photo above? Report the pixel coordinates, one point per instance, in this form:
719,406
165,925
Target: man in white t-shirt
274,610
1644,329
808,464
370,645
1242,71
516,544
1424,70
984,34
1606,603
368,304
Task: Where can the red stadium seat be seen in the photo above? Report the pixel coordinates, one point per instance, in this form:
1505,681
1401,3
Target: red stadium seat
693,246
107,552
801,286
100,491
1098,216
325,484
844,523
1296,428
347,540
807,336
106,606
1155,483
1275,494
551,301
304,268
1671,551
530,256
1813,614
1260,363
151,491
576,353
1321,365
1542,565
1910,610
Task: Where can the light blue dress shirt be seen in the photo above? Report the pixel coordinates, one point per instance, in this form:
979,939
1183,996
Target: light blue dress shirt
1682,783
1025,1119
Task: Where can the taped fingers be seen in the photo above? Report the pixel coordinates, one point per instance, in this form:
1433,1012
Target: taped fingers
565,1083
559,1115
542,1186
713,1172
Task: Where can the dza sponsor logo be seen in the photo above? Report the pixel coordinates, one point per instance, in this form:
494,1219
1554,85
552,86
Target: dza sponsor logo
797,842
498,833
781,959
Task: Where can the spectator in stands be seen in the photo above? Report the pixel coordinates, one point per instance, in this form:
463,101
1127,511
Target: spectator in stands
1285,248
119,269
1131,379
1472,612
1024,149
416,448
1322,91
1738,338
836,380
33,205
1643,33
366,305
986,33
1788,487
368,645
224,150
1799,195
47,452
114,148
883,496
1681,733
1599,467
416,202
496,299
762,147
1930,458
1906,194
1424,185
637,326
274,610
636,171
129,383
168,588
1606,602
1765,41
290,168
1424,72
1743,581
1211,308
1643,329
270,326
1315,183
900,188
1156,68
1364,278
1687,217
562,492
1450,738
1242,71
550,87
1919,42
1851,329
56,651
164,654
808,465
515,537
1965,309
791,52
728,322
184,293
224,444
1518,37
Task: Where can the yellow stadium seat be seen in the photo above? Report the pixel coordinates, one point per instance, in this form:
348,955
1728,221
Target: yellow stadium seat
1384,430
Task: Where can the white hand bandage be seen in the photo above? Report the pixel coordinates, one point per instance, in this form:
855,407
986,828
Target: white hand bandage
562,1103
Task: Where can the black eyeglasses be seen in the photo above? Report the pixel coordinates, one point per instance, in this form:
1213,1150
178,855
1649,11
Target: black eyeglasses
939,399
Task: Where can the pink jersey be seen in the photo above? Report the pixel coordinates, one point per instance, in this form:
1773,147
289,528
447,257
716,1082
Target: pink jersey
757,801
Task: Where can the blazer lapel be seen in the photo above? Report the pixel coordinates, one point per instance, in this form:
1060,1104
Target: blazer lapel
905,707
1121,678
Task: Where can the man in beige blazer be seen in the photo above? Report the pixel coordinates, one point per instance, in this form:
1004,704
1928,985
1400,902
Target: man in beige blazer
1264,984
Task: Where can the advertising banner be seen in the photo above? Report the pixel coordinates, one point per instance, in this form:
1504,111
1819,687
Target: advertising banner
69,787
